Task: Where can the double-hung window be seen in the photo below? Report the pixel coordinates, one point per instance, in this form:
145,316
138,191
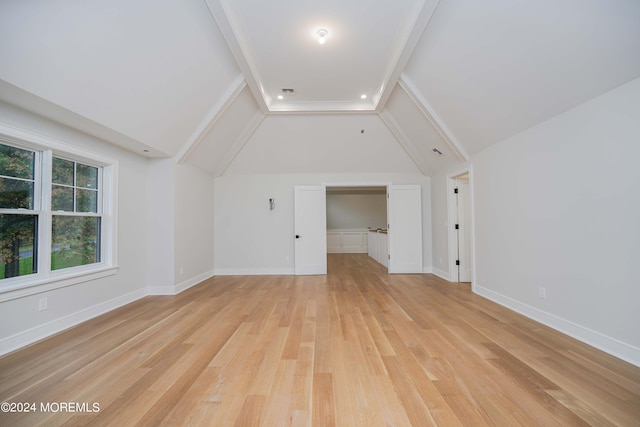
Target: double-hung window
56,213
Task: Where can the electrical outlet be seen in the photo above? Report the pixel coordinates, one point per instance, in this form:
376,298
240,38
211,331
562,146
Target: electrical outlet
542,292
42,304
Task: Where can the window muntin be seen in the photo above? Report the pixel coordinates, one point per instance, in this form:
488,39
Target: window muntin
74,186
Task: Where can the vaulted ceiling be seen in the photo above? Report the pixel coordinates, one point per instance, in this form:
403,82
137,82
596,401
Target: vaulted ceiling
199,80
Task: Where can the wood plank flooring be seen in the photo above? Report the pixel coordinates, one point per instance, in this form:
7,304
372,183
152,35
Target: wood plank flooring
357,347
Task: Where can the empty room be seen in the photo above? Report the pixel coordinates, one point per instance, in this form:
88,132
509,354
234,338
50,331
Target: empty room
337,213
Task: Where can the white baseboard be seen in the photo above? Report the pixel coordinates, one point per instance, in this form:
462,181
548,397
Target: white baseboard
427,270
181,287
346,251
161,290
617,348
441,273
255,271
37,333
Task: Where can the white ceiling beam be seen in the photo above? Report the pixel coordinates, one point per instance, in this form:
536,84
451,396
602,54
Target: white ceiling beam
427,110
405,142
210,120
237,145
407,42
238,48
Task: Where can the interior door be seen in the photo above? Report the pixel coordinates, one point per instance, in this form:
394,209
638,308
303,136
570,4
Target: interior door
405,228
464,231
310,230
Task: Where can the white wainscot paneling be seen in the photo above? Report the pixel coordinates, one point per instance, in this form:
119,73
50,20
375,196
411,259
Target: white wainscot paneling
373,244
347,241
379,246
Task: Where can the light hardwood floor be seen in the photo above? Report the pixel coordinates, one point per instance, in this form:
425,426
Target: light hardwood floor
358,347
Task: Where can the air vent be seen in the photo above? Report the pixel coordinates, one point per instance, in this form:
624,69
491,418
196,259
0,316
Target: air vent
286,90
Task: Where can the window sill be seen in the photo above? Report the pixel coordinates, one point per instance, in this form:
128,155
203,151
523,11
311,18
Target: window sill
25,286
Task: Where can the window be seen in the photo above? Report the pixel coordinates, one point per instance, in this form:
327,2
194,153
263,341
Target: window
18,225
75,228
55,213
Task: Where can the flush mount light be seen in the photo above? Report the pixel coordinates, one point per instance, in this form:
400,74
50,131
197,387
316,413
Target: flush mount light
363,96
322,34
280,97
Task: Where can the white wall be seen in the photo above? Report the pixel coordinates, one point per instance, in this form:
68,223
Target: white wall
193,226
322,143
356,211
557,207
161,225
251,239
20,320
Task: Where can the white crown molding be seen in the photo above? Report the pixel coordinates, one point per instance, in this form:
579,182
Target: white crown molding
232,32
405,142
427,110
405,43
211,119
237,145
406,40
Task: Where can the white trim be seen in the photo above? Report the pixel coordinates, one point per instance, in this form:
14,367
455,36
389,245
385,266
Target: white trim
239,47
405,143
617,348
46,279
441,273
73,276
405,43
231,26
212,118
39,332
255,271
430,114
427,270
189,283
27,101
36,141
451,234
161,290
237,145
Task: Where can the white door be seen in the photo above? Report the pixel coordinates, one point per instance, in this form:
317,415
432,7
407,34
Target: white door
464,231
405,229
310,230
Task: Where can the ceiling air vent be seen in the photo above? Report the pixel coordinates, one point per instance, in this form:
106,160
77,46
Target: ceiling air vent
286,90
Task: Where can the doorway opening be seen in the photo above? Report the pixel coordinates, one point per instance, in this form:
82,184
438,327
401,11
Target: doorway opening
460,207
404,224
357,220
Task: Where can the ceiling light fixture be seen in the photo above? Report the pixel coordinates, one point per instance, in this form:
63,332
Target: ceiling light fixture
322,34
280,97
363,96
